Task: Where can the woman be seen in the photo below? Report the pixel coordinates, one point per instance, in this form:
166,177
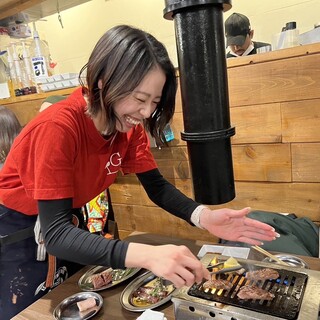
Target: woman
9,129
71,152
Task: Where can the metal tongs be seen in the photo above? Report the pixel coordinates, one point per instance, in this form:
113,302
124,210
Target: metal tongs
223,270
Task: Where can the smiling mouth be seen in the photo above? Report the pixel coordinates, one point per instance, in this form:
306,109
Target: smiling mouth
131,120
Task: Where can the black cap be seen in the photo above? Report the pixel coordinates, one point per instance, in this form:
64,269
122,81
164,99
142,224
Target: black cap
237,27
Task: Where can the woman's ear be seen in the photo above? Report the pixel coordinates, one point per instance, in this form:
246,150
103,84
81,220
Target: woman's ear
100,84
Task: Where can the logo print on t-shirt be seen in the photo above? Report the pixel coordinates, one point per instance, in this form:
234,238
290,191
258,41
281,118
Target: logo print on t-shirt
114,163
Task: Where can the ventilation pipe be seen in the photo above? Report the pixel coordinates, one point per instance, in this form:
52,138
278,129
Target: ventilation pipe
204,90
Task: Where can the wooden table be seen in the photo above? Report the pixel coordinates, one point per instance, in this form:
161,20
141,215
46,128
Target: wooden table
112,309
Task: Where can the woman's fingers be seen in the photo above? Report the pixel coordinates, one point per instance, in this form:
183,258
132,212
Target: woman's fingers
258,224
185,277
179,266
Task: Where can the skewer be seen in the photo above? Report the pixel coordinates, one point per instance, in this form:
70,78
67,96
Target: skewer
268,254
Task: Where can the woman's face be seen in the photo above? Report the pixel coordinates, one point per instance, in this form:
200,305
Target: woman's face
142,102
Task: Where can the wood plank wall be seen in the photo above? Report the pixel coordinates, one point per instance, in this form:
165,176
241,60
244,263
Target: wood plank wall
275,108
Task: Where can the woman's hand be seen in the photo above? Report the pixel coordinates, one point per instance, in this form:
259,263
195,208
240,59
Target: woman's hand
174,263
234,225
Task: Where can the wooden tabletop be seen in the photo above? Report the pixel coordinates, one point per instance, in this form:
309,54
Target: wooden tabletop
112,309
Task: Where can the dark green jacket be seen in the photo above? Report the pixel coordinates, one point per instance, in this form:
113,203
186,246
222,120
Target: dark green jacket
298,235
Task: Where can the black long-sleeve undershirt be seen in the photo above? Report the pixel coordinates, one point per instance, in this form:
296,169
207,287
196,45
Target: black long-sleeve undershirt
167,196
65,241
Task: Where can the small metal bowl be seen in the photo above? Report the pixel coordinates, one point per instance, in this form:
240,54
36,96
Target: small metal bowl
290,260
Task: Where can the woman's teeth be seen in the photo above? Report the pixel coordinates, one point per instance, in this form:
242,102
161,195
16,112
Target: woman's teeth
132,121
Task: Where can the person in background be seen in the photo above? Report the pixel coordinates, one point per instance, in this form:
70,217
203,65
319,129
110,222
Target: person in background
239,36
73,150
50,101
10,127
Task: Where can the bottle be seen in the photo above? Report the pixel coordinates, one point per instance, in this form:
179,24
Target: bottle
28,78
17,65
39,62
4,83
14,72
12,77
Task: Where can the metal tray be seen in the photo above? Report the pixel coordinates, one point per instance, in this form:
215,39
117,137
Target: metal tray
125,298
68,309
85,282
290,260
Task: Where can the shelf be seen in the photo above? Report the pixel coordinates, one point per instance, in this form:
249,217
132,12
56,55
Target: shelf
34,9
11,7
36,96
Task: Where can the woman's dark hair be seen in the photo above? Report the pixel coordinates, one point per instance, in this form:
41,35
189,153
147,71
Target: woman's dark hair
121,59
9,129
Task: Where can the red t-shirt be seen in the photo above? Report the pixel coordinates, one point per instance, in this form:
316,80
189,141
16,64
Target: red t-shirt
60,154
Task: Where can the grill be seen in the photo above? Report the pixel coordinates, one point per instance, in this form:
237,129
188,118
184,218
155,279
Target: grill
296,291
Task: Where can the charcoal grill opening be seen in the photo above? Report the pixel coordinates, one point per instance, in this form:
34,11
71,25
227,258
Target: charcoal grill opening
288,292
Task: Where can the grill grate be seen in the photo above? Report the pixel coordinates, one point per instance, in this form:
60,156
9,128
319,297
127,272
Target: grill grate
288,290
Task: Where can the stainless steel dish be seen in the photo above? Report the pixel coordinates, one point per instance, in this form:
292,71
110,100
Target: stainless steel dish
290,260
85,282
142,280
68,309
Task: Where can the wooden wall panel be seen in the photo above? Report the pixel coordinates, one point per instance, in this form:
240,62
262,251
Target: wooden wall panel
290,79
262,162
176,153
162,223
27,107
127,190
299,198
27,111
173,162
300,120
306,162
256,124
174,169
178,100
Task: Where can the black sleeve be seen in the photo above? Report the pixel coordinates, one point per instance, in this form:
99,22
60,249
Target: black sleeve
68,242
167,196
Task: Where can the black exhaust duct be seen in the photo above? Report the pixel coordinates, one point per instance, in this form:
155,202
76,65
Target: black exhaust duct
204,90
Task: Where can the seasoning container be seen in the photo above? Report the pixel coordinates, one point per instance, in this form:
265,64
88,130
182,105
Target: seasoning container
287,38
291,35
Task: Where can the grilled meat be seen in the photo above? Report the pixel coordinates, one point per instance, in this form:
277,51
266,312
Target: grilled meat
217,284
151,293
253,292
263,274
